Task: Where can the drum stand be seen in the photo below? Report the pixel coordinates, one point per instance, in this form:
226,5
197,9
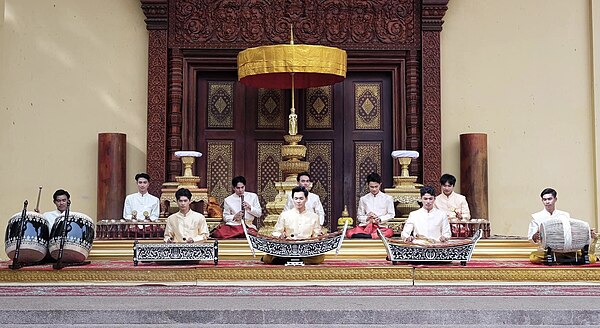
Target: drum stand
59,263
552,257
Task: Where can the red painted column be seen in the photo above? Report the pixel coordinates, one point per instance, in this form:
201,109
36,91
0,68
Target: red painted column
111,175
474,173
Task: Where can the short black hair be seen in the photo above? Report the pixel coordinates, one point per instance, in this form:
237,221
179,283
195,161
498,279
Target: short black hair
302,174
60,192
300,189
142,175
449,178
237,180
374,177
548,191
427,190
183,192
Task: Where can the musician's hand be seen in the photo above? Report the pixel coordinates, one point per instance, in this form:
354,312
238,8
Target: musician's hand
458,214
409,239
536,237
189,240
443,239
371,215
238,216
246,206
377,220
593,233
170,240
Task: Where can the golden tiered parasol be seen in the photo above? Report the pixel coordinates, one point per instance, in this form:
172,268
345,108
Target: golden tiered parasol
291,66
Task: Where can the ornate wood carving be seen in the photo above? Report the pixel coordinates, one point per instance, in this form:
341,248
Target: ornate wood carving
432,13
413,122
157,108
366,24
175,120
389,26
156,14
156,23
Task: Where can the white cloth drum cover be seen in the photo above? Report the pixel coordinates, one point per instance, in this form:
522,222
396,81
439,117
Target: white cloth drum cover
34,243
79,237
564,234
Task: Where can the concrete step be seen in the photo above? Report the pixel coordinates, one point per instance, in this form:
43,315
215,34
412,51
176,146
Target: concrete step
182,311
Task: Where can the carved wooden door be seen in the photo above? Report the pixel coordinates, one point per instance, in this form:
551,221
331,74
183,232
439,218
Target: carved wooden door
348,133
347,130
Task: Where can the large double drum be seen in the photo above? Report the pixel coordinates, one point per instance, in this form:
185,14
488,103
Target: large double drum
564,235
33,231
78,230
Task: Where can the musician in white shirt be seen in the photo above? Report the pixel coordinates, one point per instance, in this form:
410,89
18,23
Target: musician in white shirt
428,222
240,205
141,202
453,203
313,202
549,198
185,226
60,199
375,209
297,223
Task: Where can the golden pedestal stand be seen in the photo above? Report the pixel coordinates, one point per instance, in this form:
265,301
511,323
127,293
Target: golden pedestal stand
189,181
406,192
292,163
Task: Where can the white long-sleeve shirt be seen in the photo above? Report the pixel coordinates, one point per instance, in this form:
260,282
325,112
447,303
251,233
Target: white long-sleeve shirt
313,204
141,203
381,204
539,218
233,204
191,225
295,225
51,217
431,225
451,203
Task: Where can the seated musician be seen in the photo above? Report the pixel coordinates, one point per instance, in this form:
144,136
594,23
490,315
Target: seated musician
313,202
374,210
240,205
60,199
141,201
297,223
185,226
427,224
549,198
454,204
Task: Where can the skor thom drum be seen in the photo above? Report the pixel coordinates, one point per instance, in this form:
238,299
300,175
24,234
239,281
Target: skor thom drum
79,237
34,244
564,235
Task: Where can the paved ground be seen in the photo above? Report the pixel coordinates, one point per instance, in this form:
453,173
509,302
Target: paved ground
355,311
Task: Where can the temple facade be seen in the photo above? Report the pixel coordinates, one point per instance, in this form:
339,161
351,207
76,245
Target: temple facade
420,73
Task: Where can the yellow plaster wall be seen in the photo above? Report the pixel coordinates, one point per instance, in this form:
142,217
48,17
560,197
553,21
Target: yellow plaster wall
521,71
69,70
